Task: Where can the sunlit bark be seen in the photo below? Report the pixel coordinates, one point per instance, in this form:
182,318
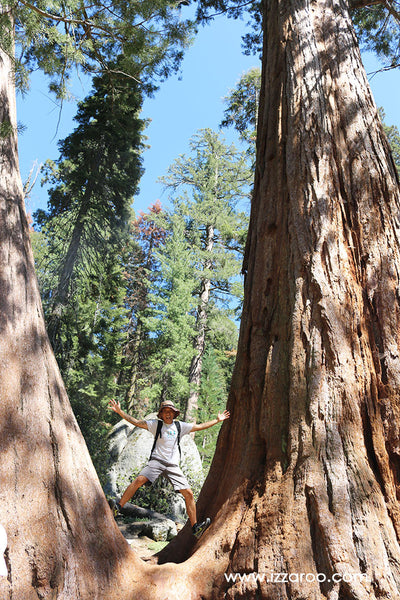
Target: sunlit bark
306,474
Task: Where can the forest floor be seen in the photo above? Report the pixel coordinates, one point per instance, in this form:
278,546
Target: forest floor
144,546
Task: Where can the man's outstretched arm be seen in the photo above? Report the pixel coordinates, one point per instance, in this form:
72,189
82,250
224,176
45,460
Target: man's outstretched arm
116,407
221,417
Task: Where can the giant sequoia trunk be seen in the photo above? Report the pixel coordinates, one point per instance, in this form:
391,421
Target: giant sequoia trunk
306,476
62,540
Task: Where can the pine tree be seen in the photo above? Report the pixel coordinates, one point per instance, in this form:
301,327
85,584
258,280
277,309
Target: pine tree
377,27
393,137
80,264
141,271
242,108
93,183
92,335
171,320
206,188
148,36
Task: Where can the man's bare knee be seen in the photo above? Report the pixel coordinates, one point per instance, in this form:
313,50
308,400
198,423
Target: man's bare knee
140,480
187,493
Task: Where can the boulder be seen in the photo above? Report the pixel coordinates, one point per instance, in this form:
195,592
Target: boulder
147,523
159,531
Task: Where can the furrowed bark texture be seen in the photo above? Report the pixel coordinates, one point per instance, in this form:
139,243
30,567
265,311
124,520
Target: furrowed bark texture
306,476
62,539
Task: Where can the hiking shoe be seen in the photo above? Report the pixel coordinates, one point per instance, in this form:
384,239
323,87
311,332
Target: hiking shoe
115,508
199,528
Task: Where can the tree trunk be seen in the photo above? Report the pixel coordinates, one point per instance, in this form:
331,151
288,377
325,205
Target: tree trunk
196,365
66,272
134,361
305,479
62,540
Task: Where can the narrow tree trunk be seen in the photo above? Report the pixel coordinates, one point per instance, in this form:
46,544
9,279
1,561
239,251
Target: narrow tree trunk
134,360
133,347
305,479
196,365
64,280
62,540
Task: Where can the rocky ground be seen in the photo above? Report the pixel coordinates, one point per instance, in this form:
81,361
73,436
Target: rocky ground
134,531
145,548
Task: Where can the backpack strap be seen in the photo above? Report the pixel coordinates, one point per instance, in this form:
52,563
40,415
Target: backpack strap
158,434
178,426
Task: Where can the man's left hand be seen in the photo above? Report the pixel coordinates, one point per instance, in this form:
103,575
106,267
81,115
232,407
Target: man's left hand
224,415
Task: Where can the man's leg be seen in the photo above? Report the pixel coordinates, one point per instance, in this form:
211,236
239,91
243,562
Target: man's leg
190,505
197,528
181,484
132,489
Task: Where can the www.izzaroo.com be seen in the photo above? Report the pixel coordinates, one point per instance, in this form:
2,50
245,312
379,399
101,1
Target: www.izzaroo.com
293,577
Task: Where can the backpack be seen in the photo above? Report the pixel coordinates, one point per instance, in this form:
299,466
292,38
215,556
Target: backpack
158,434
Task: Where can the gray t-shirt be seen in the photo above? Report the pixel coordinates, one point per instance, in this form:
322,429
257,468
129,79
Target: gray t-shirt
167,445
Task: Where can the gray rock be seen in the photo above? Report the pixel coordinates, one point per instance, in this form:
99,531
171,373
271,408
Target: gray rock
177,508
160,531
152,524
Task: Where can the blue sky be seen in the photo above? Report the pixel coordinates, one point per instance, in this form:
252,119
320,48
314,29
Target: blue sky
183,105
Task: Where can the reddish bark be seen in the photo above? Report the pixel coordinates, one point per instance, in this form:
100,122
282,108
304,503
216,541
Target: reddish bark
306,478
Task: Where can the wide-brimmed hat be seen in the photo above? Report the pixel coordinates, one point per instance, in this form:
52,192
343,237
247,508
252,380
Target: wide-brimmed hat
168,404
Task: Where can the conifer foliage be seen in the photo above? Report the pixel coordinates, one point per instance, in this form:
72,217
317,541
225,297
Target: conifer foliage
146,236
206,189
93,183
149,36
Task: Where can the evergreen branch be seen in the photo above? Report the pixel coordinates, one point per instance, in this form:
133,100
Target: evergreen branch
395,14
228,10
384,25
364,3
61,19
388,5
388,68
123,73
97,53
86,23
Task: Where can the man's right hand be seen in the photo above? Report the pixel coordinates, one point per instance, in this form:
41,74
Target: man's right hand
115,406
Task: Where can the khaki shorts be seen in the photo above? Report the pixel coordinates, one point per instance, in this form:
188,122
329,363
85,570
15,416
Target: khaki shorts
155,468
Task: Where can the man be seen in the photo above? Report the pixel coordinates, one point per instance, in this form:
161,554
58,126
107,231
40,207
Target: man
164,459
